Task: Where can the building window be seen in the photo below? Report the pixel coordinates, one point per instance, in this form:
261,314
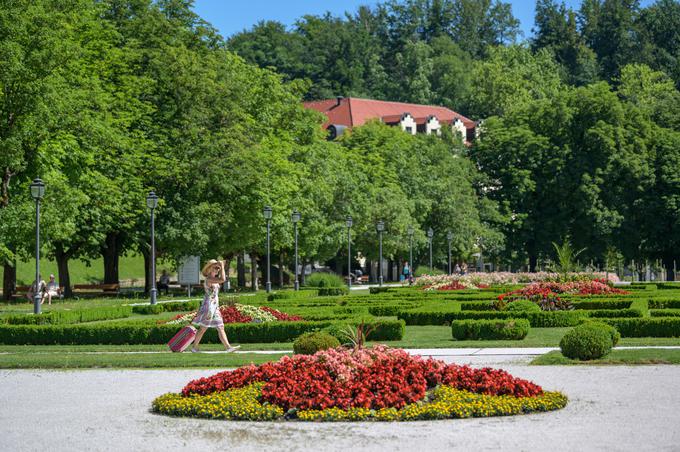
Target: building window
409,129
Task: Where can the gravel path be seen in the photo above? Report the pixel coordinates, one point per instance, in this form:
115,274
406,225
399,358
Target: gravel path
611,408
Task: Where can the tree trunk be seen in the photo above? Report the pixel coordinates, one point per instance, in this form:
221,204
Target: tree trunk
241,269
110,253
302,273
62,258
9,280
253,272
669,262
281,270
146,253
227,269
338,264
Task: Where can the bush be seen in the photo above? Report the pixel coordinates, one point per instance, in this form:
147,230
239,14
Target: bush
179,306
149,332
646,327
289,295
476,306
542,319
423,270
603,304
668,286
70,317
588,341
375,290
332,291
310,343
663,312
324,279
524,306
613,332
664,304
509,329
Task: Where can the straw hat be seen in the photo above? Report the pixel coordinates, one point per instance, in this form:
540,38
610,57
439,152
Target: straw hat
208,265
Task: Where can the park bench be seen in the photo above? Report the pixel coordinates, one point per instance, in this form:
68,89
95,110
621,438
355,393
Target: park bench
363,279
20,292
96,290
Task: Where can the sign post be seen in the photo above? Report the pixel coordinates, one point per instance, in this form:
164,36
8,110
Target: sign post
189,272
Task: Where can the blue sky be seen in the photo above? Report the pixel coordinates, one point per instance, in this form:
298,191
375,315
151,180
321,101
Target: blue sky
231,16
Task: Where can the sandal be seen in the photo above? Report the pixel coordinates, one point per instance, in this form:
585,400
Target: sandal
193,350
233,349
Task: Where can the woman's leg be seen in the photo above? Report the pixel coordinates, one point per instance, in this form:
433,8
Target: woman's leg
199,336
223,337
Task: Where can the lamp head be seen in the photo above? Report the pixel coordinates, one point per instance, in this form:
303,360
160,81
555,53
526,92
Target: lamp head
380,227
37,188
152,200
349,221
430,233
296,216
267,212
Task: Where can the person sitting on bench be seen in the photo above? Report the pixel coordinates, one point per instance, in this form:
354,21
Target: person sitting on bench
164,282
39,287
51,290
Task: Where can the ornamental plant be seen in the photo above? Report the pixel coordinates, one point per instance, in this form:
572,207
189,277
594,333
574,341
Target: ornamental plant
481,280
377,383
588,341
242,313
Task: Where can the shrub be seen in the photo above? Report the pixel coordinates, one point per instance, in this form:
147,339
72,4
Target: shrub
324,279
375,290
508,329
613,332
146,332
602,304
332,291
588,341
664,304
646,327
70,317
543,319
310,343
523,305
422,271
289,295
663,312
476,306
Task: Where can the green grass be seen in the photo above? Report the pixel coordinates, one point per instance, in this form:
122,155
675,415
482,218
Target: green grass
620,357
161,359
87,272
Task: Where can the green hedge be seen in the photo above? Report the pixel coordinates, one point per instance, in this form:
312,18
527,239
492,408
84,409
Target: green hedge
646,327
179,306
503,329
664,303
289,295
664,312
70,317
604,304
152,333
542,319
668,286
332,291
476,306
376,290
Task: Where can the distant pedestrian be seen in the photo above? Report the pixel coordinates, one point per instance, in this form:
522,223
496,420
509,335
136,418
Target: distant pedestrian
405,272
37,287
456,269
164,282
209,315
52,289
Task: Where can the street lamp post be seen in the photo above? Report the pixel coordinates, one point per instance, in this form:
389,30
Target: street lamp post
430,235
267,212
449,237
37,192
380,227
349,223
152,203
296,219
410,251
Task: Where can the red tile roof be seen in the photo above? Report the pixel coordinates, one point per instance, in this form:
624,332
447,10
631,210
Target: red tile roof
353,111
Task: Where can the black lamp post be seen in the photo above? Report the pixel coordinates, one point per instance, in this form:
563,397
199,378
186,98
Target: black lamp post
410,251
449,237
152,203
37,192
267,212
430,235
296,219
380,227
349,251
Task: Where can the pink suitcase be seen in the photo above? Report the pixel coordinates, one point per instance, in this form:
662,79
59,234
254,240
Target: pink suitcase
182,339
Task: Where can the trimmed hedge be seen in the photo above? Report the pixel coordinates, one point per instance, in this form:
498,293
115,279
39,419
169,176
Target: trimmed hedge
376,290
310,343
543,319
668,286
604,304
600,313
503,329
179,306
673,303
70,317
664,312
646,327
476,306
332,291
152,333
288,295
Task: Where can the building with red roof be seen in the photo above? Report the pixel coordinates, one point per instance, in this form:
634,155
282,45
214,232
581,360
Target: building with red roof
349,112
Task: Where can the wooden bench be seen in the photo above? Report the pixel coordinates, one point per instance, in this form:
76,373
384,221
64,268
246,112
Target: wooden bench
21,292
363,279
96,290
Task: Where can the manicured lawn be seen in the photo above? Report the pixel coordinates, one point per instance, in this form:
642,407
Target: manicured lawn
75,360
622,357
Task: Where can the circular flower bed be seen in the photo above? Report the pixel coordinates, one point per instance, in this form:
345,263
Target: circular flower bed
242,313
365,384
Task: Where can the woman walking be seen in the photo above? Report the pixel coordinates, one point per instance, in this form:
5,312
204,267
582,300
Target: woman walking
209,313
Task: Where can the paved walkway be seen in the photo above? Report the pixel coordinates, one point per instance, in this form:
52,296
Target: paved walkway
610,408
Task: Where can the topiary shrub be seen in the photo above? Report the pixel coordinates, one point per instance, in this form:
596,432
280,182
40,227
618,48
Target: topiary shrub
324,279
523,305
375,290
332,291
310,343
495,329
591,340
613,332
